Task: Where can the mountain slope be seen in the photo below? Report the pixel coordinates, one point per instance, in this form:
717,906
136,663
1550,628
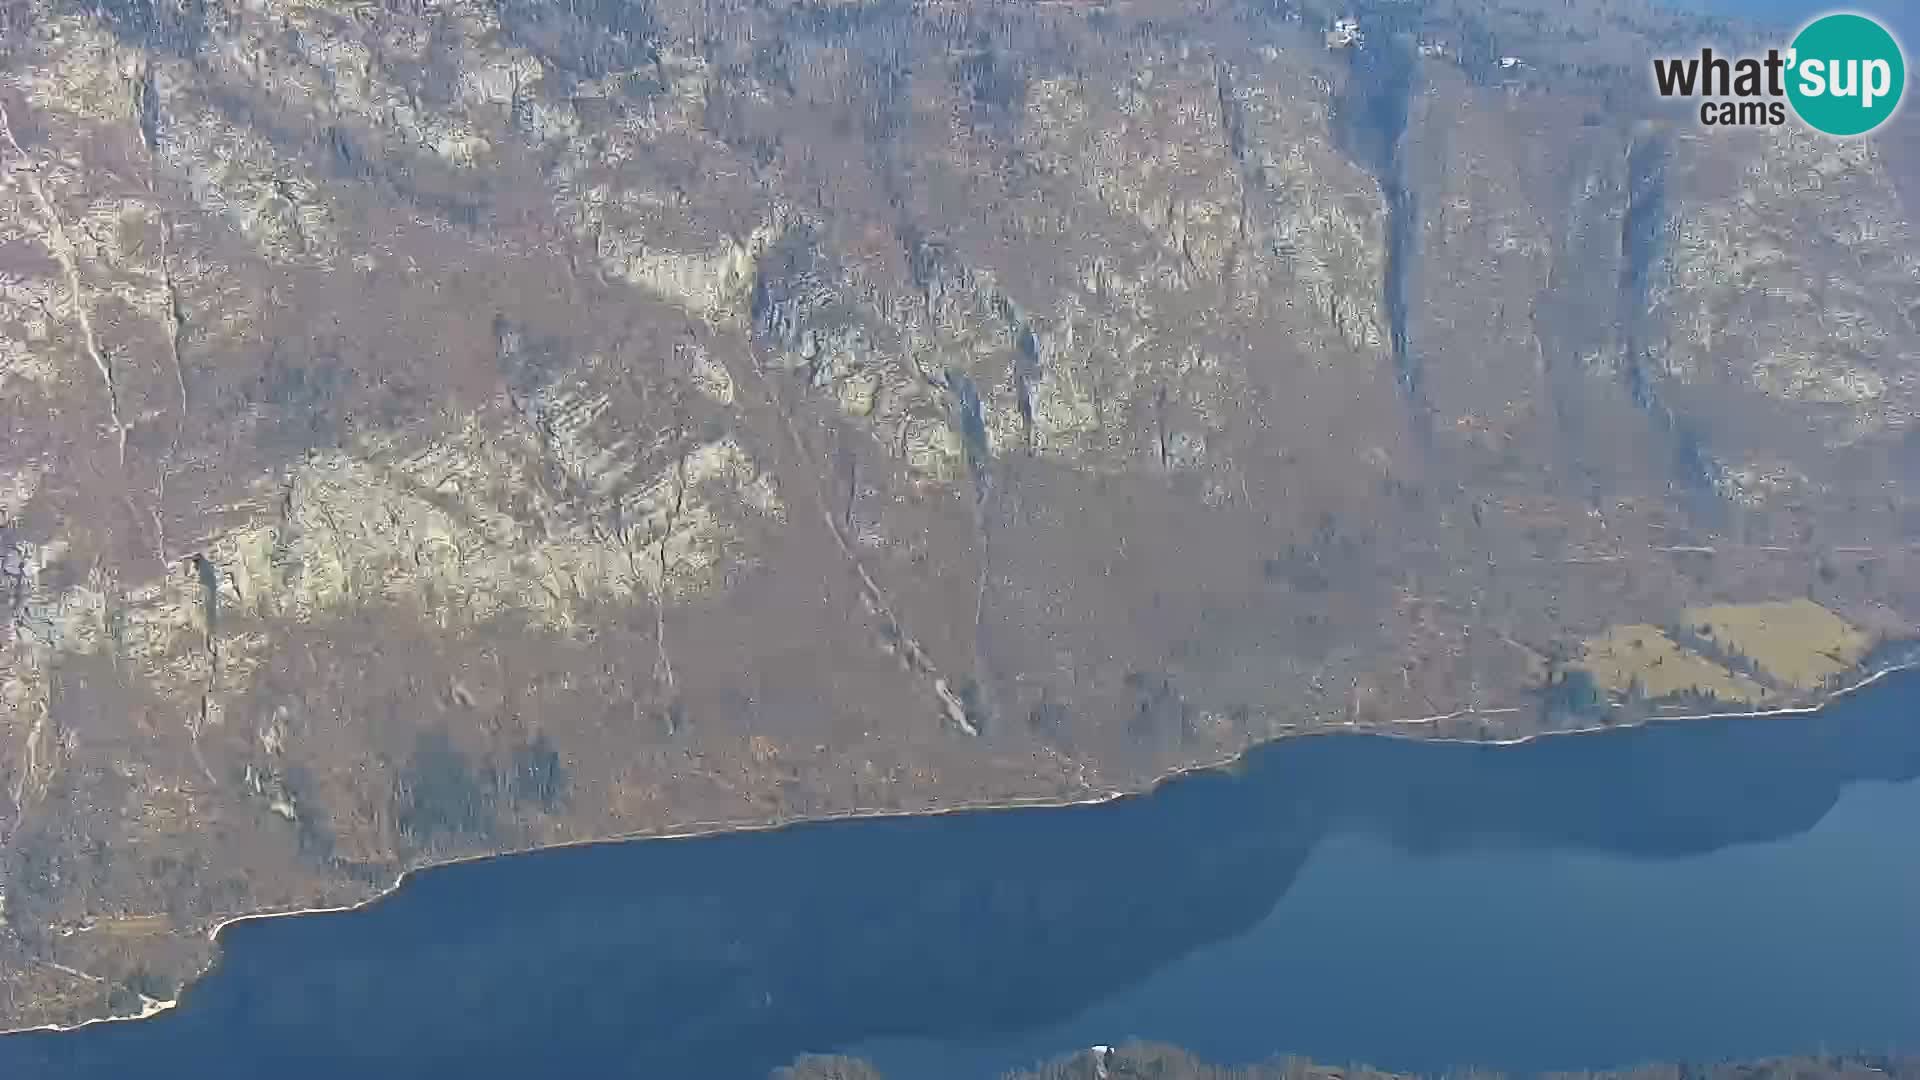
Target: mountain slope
435,428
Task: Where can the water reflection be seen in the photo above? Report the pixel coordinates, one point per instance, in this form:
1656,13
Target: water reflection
726,956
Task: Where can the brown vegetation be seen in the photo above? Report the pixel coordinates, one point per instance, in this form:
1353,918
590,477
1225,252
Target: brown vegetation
437,429
1153,1061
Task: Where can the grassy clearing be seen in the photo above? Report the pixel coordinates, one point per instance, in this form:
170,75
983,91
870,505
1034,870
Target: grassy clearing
134,926
1797,642
1626,654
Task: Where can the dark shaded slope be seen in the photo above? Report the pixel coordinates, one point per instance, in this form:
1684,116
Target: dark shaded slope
1371,124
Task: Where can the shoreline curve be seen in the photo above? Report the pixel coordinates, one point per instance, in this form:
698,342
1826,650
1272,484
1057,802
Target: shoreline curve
696,830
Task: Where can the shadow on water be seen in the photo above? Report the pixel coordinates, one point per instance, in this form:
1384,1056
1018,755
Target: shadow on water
728,955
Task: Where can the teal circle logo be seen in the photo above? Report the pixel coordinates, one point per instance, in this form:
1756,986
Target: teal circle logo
1845,74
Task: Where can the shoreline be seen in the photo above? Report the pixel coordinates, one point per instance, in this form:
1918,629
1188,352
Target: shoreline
151,1007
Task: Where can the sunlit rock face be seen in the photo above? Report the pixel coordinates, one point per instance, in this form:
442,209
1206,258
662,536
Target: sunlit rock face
1792,283
1745,303
1191,187
436,428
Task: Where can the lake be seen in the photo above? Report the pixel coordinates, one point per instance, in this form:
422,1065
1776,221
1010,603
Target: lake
1698,889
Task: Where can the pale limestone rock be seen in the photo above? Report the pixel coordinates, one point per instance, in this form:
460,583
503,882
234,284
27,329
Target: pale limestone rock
1318,221
1742,301
67,243
435,529
1149,150
932,448
1754,484
27,351
243,179
308,58
648,240
710,283
17,487
710,377
80,71
681,109
1098,346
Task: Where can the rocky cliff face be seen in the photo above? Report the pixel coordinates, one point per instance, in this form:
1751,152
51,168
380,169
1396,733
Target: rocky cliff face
434,428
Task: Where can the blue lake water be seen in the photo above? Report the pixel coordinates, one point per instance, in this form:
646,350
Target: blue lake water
1540,960
1695,890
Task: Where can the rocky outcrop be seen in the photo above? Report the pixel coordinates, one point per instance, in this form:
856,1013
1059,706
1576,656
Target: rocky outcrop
746,410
